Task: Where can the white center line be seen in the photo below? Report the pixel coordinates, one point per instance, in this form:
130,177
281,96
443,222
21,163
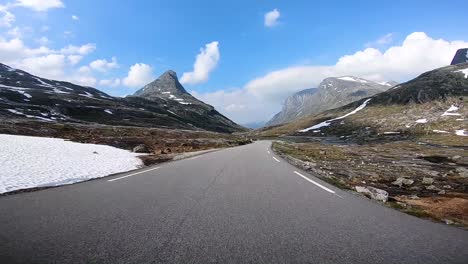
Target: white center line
133,174
318,184
277,160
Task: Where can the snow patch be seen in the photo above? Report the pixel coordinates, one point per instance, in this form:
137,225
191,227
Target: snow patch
29,162
440,131
391,133
450,111
328,122
461,132
17,112
108,111
464,71
421,121
352,79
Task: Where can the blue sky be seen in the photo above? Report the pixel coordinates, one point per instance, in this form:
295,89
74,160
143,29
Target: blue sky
250,66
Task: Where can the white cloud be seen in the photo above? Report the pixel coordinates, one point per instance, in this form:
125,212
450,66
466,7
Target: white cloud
6,17
271,18
138,75
382,41
205,63
74,17
418,53
83,49
40,5
43,41
74,59
110,82
263,96
103,65
15,32
49,66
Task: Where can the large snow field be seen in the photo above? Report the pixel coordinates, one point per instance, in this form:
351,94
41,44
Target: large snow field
27,162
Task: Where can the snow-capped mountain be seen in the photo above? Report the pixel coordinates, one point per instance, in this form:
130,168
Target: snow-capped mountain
27,97
431,104
460,57
331,93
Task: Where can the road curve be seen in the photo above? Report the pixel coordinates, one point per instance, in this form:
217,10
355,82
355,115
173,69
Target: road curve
238,205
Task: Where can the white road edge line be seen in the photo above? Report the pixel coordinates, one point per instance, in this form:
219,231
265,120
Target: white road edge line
277,160
318,184
133,174
192,158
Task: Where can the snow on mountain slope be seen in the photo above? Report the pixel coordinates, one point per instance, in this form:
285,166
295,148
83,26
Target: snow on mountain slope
28,162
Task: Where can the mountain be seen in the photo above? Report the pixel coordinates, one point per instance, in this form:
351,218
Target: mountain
331,93
460,57
27,97
430,104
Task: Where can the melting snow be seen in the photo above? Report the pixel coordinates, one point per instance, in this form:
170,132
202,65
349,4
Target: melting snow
450,111
14,111
29,162
108,111
464,71
421,121
328,122
391,133
461,132
440,131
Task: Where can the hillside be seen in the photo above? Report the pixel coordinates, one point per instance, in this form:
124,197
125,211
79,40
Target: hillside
432,103
27,97
332,92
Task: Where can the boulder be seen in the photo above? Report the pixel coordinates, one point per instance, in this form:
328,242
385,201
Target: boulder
427,181
373,193
463,172
400,181
140,149
432,188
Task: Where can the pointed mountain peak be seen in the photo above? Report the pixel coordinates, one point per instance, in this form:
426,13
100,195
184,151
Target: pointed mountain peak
169,74
460,57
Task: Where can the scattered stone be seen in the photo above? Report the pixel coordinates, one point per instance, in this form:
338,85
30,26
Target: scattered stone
448,221
400,181
414,197
415,188
447,187
432,188
373,193
442,192
140,149
427,181
463,172
455,158
401,204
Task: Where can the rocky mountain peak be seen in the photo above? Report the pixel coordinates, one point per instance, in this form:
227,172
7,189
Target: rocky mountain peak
460,57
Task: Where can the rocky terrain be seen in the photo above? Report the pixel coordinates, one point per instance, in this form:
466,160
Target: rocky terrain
405,147
27,97
333,92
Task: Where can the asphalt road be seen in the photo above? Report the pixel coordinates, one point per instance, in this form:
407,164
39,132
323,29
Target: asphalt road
239,205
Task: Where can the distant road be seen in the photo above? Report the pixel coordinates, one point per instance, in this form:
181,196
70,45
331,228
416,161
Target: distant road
239,205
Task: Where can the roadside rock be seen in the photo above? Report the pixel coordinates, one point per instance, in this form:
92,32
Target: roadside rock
463,172
400,181
140,149
373,193
432,188
427,181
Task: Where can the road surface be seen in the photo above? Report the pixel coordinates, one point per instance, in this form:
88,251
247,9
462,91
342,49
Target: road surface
239,205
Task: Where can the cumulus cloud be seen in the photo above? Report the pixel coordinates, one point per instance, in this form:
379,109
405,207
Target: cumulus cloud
103,65
138,75
205,63
40,5
6,17
416,54
110,82
74,59
271,18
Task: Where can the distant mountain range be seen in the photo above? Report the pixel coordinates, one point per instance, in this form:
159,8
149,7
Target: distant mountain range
332,92
430,104
162,103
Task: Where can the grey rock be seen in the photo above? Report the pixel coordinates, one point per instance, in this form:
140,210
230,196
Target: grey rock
461,56
414,197
442,192
427,181
432,188
332,92
140,149
374,193
400,181
463,172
